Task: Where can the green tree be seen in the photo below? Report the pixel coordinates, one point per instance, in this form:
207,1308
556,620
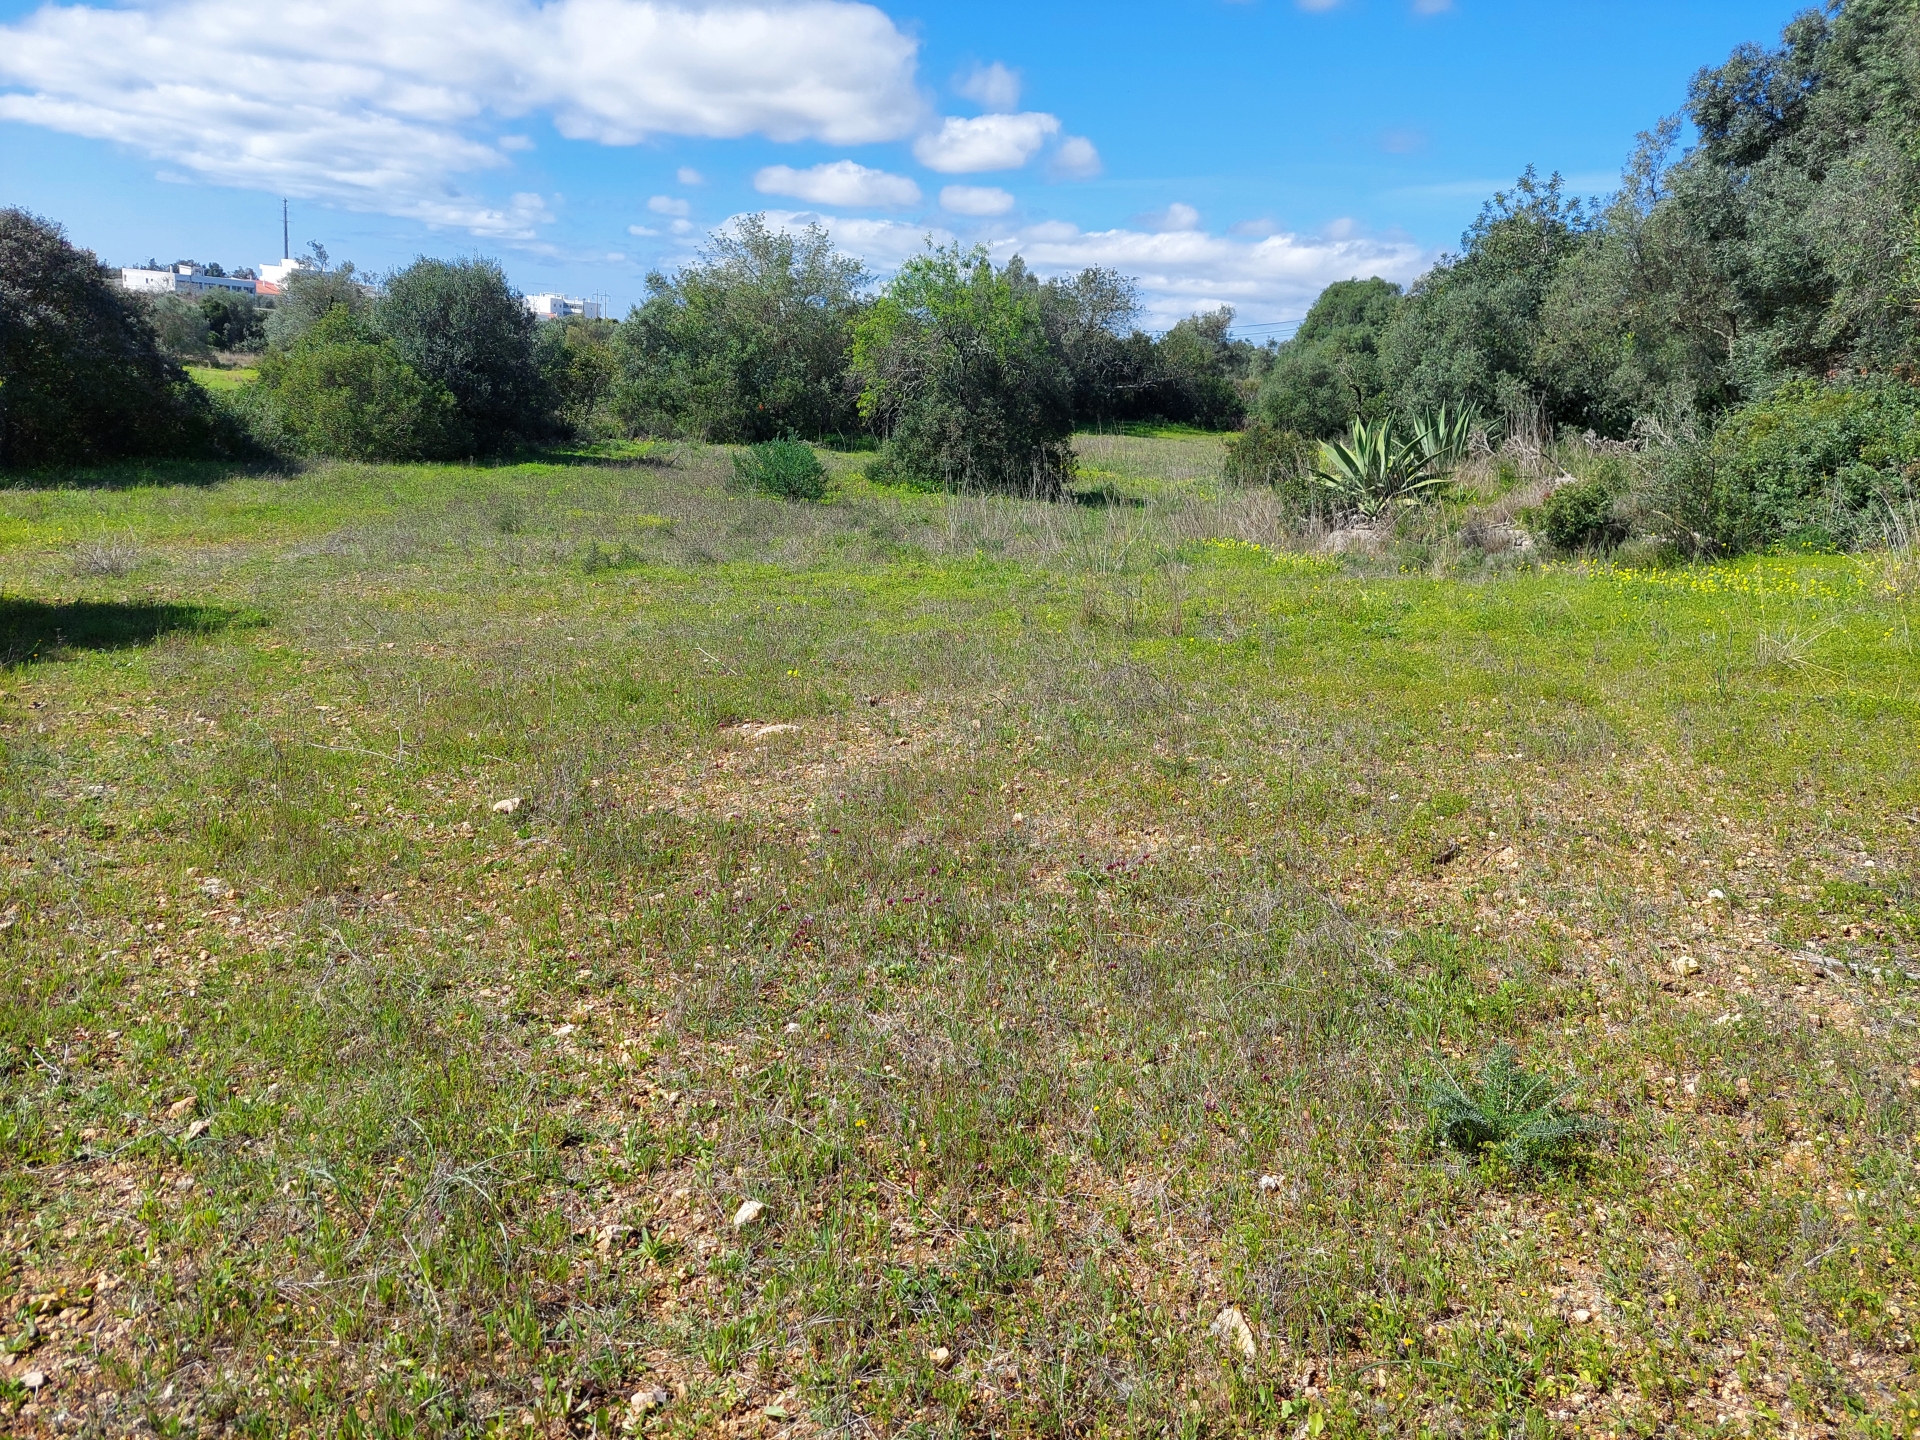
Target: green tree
342,389
1090,321
82,374
750,342
461,326
1469,330
312,292
958,371
233,320
1329,374
1196,365
578,366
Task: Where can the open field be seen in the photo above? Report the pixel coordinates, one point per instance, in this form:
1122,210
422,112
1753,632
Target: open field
995,894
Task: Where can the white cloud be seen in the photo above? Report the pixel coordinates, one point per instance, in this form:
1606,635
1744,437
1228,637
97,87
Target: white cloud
986,142
1076,159
992,87
516,142
687,175
975,200
383,104
840,183
1182,271
669,205
1177,216
881,243
642,230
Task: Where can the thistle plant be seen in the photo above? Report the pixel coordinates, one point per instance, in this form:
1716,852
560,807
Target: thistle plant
1509,1112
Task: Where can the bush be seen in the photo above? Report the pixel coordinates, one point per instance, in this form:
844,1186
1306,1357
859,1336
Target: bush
1579,516
180,326
82,374
343,390
310,294
233,320
959,372
1508,1112
1329,374
787,468
1262,454
578,366
462,327
750,343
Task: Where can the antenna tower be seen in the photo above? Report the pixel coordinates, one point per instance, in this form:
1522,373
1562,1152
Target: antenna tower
286,234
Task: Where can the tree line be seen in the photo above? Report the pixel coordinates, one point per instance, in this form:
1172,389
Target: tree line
971,374
1744,314
1746,311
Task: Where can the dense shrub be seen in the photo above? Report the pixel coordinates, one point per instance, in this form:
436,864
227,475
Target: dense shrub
578,366
343,390
310,294
1329,374
1578,516
1196,364
750,342
787,468
1264,454
960,375
234,320
82,374
1814,466
462,327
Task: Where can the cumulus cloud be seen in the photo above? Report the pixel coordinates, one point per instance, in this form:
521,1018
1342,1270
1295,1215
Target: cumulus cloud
669,205
1076,159
383,104
687,175
975,200
991,87
881,243
1181,271
1177,216
986,142
840,183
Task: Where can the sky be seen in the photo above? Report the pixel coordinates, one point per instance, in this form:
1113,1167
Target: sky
1223,152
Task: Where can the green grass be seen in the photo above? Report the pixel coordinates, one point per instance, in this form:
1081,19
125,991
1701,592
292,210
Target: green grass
214,378
996,892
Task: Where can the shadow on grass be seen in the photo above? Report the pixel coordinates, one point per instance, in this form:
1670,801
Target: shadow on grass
33,630
1105,497
129,474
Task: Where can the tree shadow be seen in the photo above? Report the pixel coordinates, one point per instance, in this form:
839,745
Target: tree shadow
129,474
32,630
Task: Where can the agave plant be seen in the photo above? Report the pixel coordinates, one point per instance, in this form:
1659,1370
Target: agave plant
1446,435
1373,469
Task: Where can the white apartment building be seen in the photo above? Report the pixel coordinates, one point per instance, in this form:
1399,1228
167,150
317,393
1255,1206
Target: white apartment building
558,307
180,280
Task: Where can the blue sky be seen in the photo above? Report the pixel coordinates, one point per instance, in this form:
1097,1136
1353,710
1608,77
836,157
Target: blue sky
1244,153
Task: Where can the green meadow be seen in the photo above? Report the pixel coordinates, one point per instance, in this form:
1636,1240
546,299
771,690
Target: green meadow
568,948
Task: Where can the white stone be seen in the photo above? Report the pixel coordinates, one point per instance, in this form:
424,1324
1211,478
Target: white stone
507,806
1231,1327
748,1213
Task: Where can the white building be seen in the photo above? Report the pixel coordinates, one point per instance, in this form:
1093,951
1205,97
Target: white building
558,307
180,280
273,276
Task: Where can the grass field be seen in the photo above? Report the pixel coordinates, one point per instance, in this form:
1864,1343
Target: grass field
437,901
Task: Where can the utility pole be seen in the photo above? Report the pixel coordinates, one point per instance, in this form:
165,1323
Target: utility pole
286,234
